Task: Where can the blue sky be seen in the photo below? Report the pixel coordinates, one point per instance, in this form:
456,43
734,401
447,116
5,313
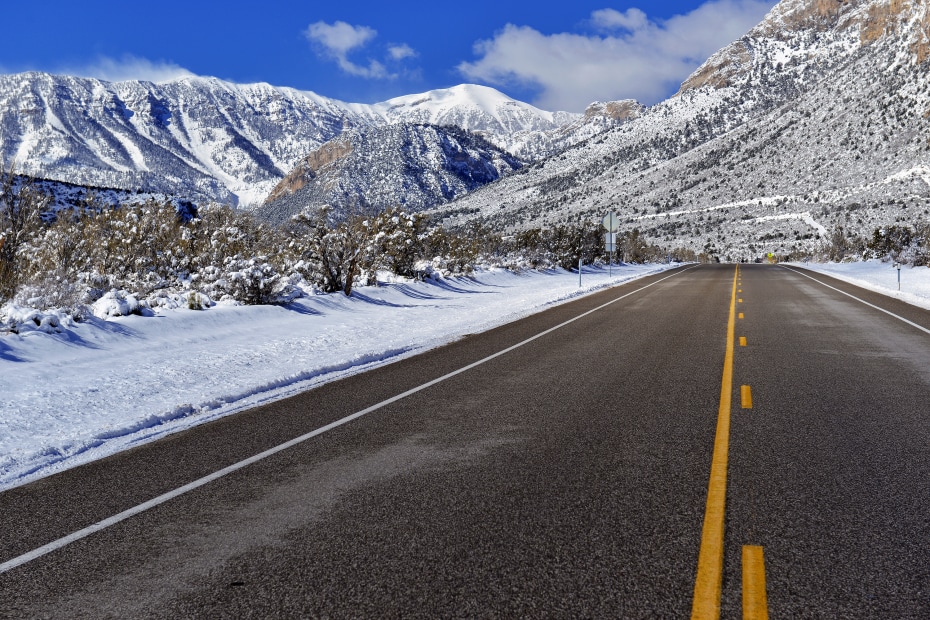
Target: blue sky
554,55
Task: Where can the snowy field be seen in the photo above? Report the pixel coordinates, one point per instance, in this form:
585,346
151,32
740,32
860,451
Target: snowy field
101,386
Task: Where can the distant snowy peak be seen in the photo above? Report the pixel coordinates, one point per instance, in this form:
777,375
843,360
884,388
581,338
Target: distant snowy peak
510,124
469,103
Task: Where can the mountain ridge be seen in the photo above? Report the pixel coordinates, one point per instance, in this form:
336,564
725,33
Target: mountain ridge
211,140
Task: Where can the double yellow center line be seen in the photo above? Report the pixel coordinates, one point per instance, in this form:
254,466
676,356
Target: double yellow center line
709,581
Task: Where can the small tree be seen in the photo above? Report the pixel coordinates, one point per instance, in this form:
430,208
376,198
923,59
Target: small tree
633,248
890,242
569,242
21,209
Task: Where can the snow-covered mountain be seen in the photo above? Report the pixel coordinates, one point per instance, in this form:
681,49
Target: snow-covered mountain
818,117
413,166
509,124
210,140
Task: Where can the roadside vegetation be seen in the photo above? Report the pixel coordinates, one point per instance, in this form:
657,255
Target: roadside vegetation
907,244
136,258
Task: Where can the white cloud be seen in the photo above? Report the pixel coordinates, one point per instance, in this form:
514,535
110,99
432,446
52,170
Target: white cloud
609,19
634,57
337,40
402,51
130,68
340,38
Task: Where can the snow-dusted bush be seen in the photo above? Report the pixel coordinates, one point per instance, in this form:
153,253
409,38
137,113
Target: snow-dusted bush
20,320
843,245
239,258
453,252
117,303
194,302
394,242
220,232
249,281
335,256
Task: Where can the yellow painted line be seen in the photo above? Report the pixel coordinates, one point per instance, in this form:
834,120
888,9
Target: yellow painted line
755,600
709,580
742,341
741,315
745,393
741,300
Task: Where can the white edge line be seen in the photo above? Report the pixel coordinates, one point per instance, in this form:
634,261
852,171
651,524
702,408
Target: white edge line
880,309
161,499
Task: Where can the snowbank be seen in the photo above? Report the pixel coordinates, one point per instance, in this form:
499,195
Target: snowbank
874,275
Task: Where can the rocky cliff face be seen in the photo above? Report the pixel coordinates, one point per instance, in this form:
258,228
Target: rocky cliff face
311,167
818,117
399,165
823,32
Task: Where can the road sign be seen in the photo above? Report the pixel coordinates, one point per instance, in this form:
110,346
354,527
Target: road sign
611,222
610,241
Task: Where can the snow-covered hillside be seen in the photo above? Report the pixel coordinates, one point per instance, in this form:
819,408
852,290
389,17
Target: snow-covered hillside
819,117
209,140
413,167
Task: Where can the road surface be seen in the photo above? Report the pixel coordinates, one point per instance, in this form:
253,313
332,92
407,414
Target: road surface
567,476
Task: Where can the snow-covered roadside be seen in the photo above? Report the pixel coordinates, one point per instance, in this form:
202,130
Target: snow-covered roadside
874,275
99,387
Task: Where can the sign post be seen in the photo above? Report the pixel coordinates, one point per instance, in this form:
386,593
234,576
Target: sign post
611,223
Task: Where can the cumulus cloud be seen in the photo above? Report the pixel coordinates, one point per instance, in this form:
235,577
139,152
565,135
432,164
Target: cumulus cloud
130,68
402,51
336,41
340,37
631,56
611,19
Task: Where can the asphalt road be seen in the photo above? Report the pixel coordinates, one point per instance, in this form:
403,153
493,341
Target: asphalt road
565,478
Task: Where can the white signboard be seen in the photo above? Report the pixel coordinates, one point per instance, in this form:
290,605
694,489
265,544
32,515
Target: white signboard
611,222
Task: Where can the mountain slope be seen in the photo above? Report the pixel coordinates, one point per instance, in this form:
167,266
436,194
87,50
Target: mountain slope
375,168
817,117
201,137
